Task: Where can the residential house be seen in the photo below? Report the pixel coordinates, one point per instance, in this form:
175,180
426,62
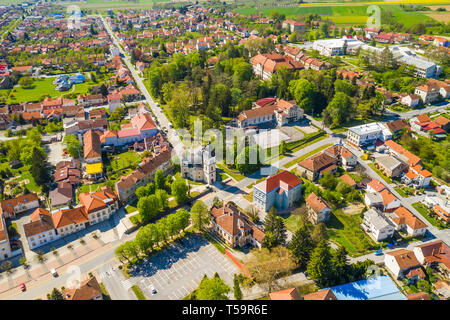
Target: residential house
91,100
88,290
411,100
367,134
11,207
68,221
114,101
429,92
443,122
401,262
418,296
286,294
265,65
293,25
401,153
280,190
440,206
318,209
390,166
99,205
234,227
404,220
418,176
40,230
396,126
433,253
377,225
5,246
315,166
390,202
324,294
93,155
62,195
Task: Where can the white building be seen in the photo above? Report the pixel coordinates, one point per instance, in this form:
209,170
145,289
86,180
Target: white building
377,225
5,246
199,165
40,230
337,47
367,134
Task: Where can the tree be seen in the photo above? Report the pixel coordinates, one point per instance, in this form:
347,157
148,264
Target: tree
160,180
342,270
236,288
301,246
265,266
304,93
163,198
339,111
131,249
212,289
148,207
39,169
320,266
179,190
274,229
200,215
26,82
72,145
55,295
319,233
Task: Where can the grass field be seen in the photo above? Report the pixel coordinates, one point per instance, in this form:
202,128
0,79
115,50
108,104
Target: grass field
291,221
424,212
345,230
42,87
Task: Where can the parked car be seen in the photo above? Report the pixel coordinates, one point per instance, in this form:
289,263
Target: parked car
152,289
378,253
23,287
53,272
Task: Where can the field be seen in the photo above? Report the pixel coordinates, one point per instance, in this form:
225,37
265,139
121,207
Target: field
41,87
353,13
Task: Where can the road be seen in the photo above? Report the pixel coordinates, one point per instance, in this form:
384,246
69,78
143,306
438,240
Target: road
172,136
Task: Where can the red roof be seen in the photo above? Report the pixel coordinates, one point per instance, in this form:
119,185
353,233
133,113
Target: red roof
283,179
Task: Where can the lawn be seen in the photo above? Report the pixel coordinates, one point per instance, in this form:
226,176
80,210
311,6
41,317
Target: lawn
41,87
424,212
292,221
381,174
92,187
249,197
138,292
236,175
123,160
345,230
307,155
130,209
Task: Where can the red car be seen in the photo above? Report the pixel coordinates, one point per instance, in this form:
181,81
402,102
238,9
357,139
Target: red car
22,286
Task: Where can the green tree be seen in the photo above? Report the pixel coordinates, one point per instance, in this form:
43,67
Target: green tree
212,289
320,266
160,180
148,207
163,198
339,111
179,190
55,295
236,288
274,229
200,215
72,145
304,93
39,169
301,246
319,233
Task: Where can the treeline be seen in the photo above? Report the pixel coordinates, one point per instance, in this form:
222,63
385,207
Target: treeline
150,236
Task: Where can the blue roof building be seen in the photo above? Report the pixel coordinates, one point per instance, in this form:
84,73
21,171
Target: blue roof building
374,288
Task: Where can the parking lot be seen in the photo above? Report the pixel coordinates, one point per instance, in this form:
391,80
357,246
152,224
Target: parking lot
177,271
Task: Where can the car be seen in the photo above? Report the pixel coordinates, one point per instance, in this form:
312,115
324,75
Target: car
53,272
378,253
152,289
22,287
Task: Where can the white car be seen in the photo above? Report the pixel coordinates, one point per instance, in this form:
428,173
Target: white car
152,289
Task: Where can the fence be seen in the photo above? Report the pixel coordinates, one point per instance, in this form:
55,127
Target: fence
238,263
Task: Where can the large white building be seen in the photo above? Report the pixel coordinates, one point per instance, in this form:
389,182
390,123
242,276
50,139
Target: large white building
199,165
377,225
367,134
337,47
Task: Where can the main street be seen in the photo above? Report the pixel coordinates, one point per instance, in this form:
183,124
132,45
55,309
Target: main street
172,135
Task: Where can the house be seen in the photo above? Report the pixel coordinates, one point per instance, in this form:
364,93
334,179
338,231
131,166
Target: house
293,25
114,101
265,65
377,225
418,296
443,122
433,253
40,230
411,100
127,185
401,262
91,100
62,195
418,176
287,112
5,245
396,126
344,156
280,190
404,220
390,166
429,92
443,289
440,206
367,134
315,166
88,290
373,199
199,165
324,294
390,202
99,205
68,221
234,227
349,180
401,153
11,207
286,294
92,155
318,209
